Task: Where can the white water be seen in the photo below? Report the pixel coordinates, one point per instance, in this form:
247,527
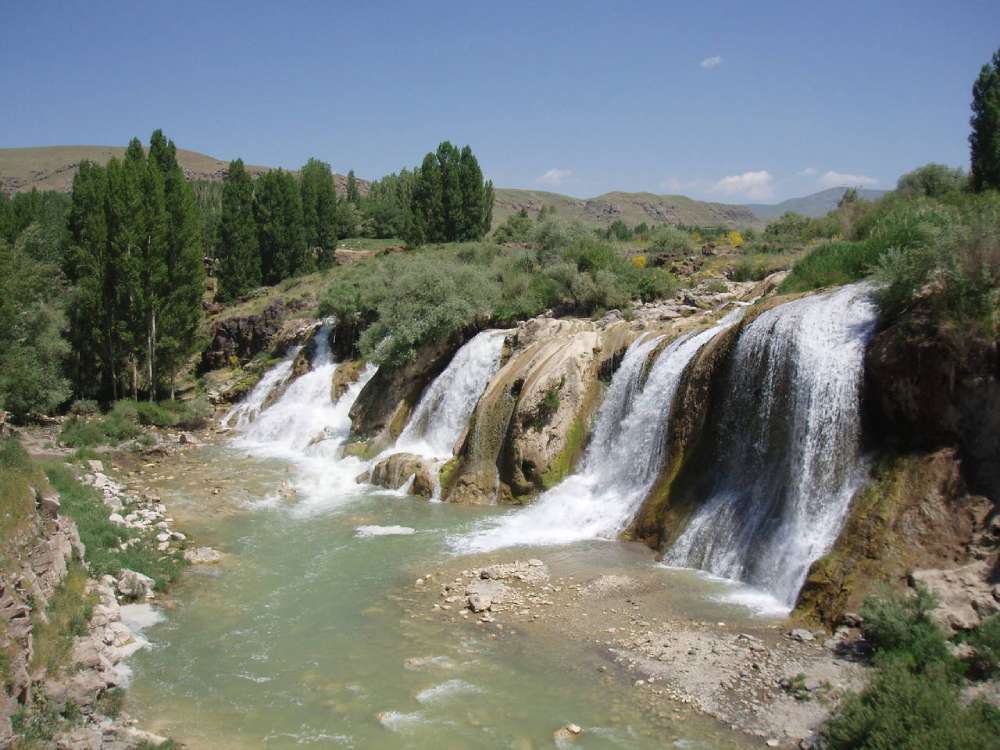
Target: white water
247,410
307,428
445,407
620,463
788,456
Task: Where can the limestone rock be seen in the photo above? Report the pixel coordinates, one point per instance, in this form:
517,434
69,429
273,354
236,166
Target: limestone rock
134,585
482,595
395,470
964,594
202,556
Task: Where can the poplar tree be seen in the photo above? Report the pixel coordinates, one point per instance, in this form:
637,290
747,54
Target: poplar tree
353,194
239,257
319,209
280,232
449,201
984,141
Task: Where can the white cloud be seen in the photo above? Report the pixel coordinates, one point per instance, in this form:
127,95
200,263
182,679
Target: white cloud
808,172
554,177
753,185
711,62
836,179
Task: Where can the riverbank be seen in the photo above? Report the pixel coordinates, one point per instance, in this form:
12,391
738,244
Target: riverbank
760,676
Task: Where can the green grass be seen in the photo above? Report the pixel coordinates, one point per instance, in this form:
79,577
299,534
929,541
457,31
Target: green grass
66,617
102,538
831,264
127,418
18,478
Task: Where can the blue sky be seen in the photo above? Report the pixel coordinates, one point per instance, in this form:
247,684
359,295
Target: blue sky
725,101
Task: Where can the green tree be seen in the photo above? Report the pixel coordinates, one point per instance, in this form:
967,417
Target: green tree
32,349
239,258
353,194
181,317
449,202
280,232
984,141
319,210
932,181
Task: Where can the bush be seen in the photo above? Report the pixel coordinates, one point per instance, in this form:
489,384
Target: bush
900,628
670,242
830,264
986,641
902,710
932,181
84,408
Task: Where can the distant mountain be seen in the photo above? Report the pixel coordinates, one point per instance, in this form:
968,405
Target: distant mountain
632,208
815,205
53,167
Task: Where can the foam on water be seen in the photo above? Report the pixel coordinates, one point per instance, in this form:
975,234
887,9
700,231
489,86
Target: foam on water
370,531
305,427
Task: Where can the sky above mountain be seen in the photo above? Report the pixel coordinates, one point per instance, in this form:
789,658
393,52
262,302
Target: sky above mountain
733,102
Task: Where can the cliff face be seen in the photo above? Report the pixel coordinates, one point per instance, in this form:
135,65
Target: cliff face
36,553
930,387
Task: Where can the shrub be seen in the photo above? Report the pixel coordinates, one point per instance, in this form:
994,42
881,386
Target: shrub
900,628
671,241
932,181
517,228
907,711
830,264
986,641
84,408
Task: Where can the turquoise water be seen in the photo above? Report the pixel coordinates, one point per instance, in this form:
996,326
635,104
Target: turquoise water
310,635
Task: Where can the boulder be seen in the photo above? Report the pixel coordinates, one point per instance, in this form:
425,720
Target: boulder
133,585
482,595
346,375
202,556
964,594
394,471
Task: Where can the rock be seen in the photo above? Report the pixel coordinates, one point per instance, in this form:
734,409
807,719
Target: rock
48,504
241,338
134,585
802,635
852,619
96,466
964,594
396,470
773,743
482,595
346,375
163,537
202,556
566,733
82,738
116,518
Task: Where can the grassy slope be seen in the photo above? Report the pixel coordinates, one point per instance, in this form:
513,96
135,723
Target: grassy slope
632,208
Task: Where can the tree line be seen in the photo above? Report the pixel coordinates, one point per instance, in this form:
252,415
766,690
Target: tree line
281,224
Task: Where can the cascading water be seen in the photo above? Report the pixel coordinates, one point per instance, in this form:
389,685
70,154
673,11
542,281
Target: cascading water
445,407
621,461
788,458
247,410
307,428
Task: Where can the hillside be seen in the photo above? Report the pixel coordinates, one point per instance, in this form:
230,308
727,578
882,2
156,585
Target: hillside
53,167
632,208
815,205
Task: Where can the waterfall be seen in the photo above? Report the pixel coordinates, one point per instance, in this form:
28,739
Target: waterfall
788,455
247,410
445,407
305,427
622,459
